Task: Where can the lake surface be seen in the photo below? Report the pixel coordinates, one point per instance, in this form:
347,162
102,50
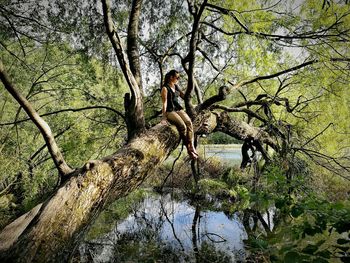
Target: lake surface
229,154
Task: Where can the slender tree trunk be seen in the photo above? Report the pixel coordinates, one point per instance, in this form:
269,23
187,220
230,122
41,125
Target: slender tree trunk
43,127
133,104
132,46
191,58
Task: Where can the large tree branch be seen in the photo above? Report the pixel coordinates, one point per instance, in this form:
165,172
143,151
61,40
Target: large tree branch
223,91
208,122
54,229
43,127
245,110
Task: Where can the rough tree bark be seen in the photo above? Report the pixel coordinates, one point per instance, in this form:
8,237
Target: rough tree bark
132,46
55,228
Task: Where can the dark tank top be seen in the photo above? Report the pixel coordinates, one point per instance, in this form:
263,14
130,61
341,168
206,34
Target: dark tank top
173,103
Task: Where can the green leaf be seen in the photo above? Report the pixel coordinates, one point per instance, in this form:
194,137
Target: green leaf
345,259
311,231
320,260
321,242
342,226
259,243
325,254
279,203
342,241
292,257
342,248
310,249
297,211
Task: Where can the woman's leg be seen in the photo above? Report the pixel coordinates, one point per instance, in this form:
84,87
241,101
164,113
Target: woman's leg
189,134
176,119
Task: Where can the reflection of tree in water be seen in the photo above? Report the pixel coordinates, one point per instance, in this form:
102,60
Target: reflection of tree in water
155,231
206,252
258,227
253,221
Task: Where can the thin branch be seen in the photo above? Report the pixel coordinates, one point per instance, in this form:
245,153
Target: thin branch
205,55
172,167
228,12
44,146
16,33
208,235
247,111
302,65
65,110
43,127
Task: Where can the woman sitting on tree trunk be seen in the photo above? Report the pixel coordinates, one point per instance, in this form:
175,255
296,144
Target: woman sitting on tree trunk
174,113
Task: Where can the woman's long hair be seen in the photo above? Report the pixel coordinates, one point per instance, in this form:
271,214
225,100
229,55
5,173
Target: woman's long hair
168,75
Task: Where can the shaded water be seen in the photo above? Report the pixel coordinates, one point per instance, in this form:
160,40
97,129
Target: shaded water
161,229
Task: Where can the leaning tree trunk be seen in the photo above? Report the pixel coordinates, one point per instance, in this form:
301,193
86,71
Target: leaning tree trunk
52,231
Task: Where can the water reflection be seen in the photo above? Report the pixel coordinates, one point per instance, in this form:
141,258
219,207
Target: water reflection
161,229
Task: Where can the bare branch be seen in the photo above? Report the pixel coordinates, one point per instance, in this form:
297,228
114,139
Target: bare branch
205,55
223,91
133,104
302,65
247,111
66,110
228,12
328,162
44,128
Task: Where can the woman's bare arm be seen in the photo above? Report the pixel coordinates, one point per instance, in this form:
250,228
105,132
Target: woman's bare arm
182,95
164,102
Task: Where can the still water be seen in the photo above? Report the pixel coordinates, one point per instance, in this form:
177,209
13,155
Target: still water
159,228
176,232
169,228
229,154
